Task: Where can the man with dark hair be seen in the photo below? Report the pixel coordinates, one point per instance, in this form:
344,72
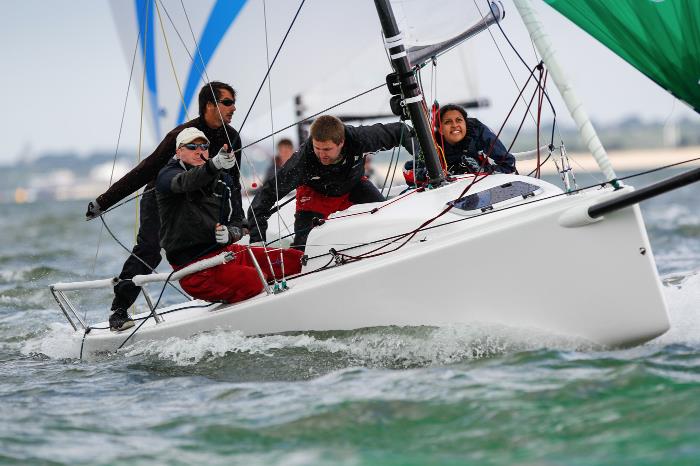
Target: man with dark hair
328,174
216,108
285,149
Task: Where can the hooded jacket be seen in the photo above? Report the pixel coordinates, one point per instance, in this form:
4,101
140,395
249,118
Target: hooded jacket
191,201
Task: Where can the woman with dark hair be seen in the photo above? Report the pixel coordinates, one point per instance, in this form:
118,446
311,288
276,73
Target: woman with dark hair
468,146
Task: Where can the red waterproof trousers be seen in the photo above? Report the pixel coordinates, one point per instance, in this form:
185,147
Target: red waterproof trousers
238,279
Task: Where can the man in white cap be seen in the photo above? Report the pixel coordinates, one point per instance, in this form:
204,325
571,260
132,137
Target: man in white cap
197,222
216,107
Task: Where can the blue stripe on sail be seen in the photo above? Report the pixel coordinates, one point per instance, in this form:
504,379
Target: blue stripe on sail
221,17
148,48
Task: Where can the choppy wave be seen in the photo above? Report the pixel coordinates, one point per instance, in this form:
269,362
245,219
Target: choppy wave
29,273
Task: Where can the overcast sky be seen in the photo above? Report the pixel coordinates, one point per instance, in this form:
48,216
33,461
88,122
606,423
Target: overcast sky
64,78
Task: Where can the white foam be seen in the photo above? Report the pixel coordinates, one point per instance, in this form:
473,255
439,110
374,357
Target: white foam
683,298
59,341
403,347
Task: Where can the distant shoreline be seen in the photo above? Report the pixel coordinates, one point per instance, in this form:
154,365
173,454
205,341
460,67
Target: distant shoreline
624,160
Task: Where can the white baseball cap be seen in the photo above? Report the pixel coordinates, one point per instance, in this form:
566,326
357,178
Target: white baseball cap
188,135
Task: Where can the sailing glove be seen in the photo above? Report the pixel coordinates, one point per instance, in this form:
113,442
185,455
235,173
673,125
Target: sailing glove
224,160
257,231
227,234
473,166
93,210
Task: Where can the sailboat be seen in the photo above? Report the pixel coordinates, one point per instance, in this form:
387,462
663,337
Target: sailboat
499,249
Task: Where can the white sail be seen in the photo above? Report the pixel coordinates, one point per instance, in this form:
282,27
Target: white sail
333,52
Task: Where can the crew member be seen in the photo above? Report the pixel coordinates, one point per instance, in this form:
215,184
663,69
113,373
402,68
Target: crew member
327,173
469,146
197,222
216,107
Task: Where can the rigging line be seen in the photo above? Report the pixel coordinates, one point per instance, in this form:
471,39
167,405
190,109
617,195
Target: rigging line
136,196
221,117
269,68
143,86
172,64
152,314
503,58
165,313
116,149
398,155
566,193
663,167
522,60
310,117
137,257
515,137
211,88
391,162
172,23
274,162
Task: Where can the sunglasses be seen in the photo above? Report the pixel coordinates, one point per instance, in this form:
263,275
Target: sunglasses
193,146
227,102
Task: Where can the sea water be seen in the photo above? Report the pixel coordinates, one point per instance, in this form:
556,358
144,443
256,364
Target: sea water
387,396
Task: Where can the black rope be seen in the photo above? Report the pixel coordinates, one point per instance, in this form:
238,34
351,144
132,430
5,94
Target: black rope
522,60
82,342
127,201
356,96
601,184
269,68
137,257
153,311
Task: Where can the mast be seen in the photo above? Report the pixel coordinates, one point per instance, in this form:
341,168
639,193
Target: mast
573,103
410,91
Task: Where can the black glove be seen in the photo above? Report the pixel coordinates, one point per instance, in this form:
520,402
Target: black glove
236,233
93,210
256,235
473,166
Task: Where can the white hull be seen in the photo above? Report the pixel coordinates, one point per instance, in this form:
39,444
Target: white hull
519,267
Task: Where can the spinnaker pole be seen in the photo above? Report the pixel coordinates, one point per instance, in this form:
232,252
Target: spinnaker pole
410,90
573,103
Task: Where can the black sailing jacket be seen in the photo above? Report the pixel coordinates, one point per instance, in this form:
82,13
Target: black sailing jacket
145,173
304,169
478,138
191,201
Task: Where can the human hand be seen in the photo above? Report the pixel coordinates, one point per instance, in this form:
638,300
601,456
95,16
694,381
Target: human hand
256,236
224,159
471,164
93,210
235,233
221,233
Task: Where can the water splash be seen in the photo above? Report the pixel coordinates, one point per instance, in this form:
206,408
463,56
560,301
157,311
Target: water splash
391,347
682,292
58,341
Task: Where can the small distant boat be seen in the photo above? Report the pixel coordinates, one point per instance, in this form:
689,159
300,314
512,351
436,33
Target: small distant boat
505,249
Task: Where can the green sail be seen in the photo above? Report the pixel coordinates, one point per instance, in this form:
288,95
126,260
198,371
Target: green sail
661,38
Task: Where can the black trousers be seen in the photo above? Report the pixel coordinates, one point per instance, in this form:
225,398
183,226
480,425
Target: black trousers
147,248
304,220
